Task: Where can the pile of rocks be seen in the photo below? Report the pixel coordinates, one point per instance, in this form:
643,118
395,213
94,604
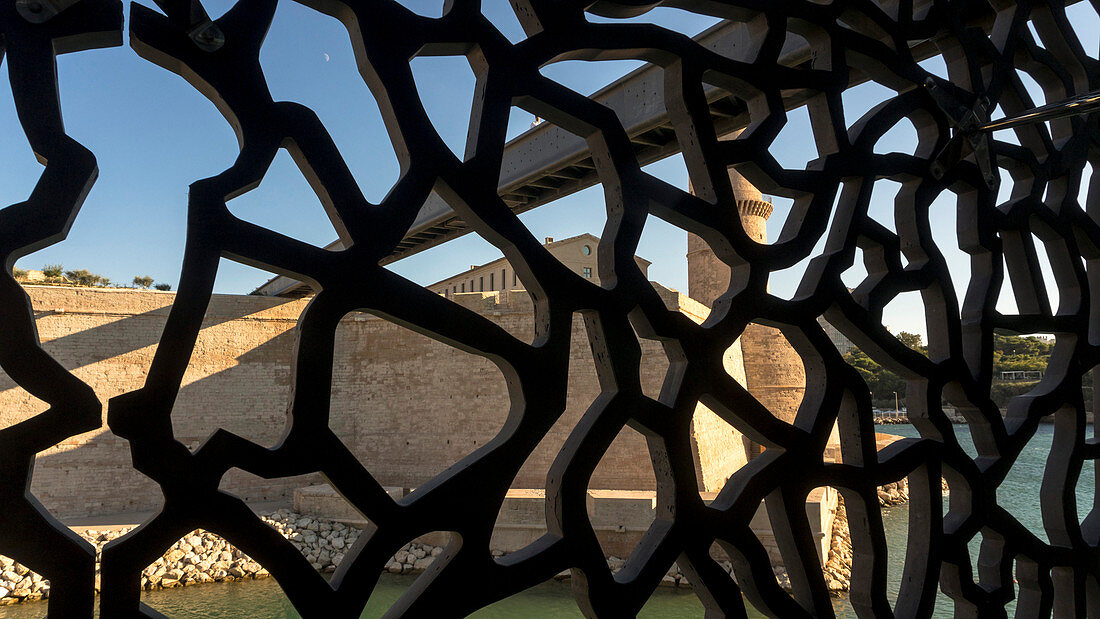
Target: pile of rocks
413,558
200,557
891,421
323,542
898,492
203,557
894,494
197,558
18,584
838,569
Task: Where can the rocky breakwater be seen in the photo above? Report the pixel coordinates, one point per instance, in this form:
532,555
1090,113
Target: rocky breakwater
199,557
203,557
838,568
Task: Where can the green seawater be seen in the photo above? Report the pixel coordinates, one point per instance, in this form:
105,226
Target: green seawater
264,598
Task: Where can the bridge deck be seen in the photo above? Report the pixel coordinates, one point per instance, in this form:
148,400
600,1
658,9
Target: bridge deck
546,162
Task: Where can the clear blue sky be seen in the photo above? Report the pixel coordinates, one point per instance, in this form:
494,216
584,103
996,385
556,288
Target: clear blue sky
153,135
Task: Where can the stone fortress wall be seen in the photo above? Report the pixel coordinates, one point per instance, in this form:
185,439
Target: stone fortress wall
407,406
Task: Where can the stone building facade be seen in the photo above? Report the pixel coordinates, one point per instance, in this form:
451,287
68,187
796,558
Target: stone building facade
579,254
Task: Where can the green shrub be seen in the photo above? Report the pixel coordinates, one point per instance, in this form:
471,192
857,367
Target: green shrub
84,277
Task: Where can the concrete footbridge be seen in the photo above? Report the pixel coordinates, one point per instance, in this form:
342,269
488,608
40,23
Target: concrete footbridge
547,162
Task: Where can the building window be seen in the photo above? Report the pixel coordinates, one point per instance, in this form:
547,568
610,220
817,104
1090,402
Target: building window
491,277
454,289
463,286
503,281
588,271
481,283
587,250
513,278
471,285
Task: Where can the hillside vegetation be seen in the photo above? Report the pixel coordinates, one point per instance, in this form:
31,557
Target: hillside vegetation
1011,353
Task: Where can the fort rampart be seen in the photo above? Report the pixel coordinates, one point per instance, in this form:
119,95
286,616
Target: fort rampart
408,407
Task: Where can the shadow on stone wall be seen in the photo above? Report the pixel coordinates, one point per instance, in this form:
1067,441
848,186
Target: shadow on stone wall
91,474
407,406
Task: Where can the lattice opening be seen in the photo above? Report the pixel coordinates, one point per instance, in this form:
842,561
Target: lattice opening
446,87
522,517
16,157
200,557
782,215
1011,137
795,281
685,22
1088,493
425,8
388,381
1053,294
860,99
520,121
317,46
622,517
654,367
1008,295
512,308
935,65
944,224
901,138
791,148
719,448
673,19
243,373
762,528
880,207
501,14
664,246
906,313
856,274
1032,88
1025,500
16,403
1038,40
284,184
585,77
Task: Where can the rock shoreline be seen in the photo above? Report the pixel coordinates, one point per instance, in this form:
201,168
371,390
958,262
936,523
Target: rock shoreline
203,557
904,421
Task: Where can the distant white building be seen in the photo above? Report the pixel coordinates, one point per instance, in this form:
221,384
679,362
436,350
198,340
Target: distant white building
842,343
578,253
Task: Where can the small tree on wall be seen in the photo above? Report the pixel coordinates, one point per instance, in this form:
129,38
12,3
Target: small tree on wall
52,271
84,277
143,281
164,287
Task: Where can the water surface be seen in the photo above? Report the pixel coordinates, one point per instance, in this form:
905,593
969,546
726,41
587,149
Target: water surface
264,598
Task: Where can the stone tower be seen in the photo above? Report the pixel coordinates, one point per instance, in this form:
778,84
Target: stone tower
773,370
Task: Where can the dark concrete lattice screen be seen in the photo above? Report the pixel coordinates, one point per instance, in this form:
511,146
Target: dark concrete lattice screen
987,47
